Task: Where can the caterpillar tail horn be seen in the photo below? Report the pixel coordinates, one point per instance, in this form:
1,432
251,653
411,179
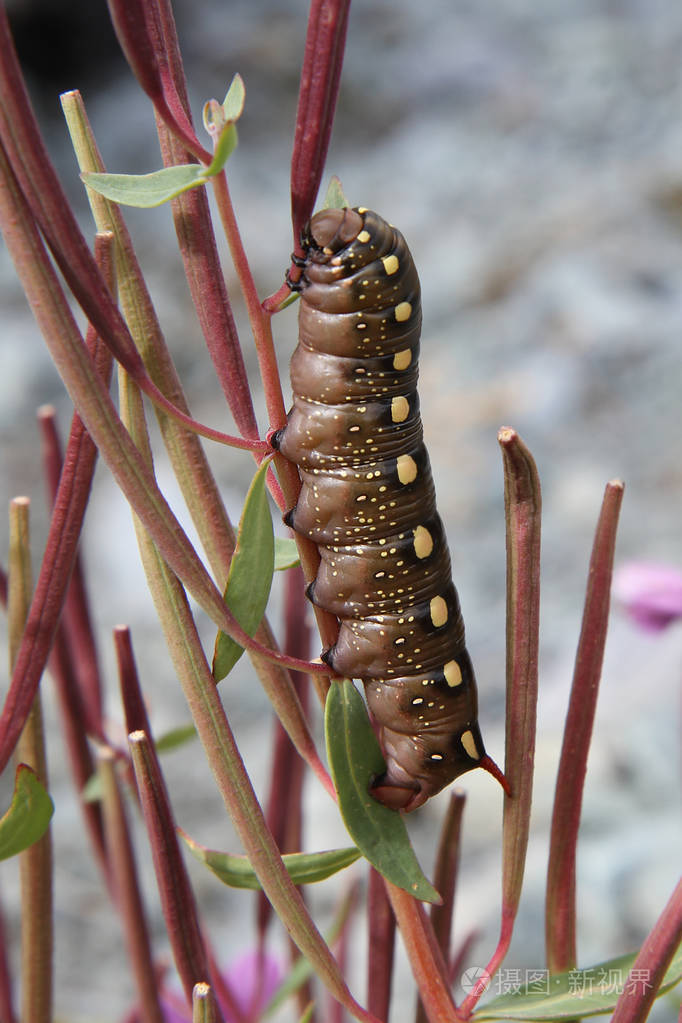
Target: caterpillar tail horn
489,765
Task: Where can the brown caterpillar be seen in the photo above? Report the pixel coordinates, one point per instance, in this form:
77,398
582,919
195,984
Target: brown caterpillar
368,502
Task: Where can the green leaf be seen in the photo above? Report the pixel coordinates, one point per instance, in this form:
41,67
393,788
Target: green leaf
92,791
250,576
355,758
286,553
335,198
29,814
219,122
304,868
175,737
147,190
233,104
225,147
589,992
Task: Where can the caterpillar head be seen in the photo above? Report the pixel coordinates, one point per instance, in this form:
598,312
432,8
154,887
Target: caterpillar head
331,230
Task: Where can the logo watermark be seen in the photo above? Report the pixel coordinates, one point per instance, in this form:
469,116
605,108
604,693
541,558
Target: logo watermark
597,981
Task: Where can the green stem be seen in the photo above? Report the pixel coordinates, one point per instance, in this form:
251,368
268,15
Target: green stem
35,863
522,516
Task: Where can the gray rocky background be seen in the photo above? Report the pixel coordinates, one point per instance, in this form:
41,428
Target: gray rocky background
532,155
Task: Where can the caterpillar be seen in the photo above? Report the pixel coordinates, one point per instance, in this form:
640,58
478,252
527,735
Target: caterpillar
368,501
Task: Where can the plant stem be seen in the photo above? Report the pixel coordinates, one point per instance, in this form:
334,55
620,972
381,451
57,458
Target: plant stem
560,911
522,516
129,898
35,863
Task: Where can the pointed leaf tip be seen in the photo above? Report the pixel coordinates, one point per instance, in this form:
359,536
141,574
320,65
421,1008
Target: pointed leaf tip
355,758
145,191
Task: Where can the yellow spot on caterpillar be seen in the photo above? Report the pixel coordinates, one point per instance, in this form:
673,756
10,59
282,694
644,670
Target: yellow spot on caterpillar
439,611
403,311
423,542
401,360
391,264
407,469
453,673
400,409
436,756
364,236
469,745
362,209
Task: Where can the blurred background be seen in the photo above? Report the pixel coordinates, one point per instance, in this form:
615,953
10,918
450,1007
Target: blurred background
532,156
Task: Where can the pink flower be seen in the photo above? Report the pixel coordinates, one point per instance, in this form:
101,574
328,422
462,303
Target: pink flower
250,981
650,593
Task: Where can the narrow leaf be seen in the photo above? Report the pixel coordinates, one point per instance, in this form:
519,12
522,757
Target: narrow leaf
355,758
175,738
286,553
250,577
574,994
147,190
303,868
28,816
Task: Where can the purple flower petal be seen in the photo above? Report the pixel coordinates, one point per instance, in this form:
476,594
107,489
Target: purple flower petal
253,980
171,1014
650,593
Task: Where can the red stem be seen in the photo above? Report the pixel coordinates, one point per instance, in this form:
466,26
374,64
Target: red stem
177,899
199,252
649,968
445,872
76,622
320,75
134,707
259,320
140,35
428,966
560,913
78,748
128,895
381,946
